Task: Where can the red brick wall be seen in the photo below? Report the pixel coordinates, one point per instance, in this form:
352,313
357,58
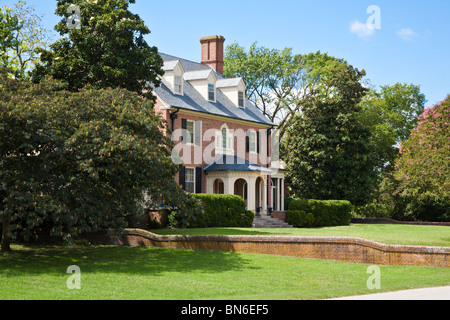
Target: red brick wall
208,124
212,52
352,250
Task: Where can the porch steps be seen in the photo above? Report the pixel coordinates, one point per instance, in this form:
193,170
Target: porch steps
268,222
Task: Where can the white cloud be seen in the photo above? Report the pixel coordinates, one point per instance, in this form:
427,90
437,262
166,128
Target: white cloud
406,34
362,30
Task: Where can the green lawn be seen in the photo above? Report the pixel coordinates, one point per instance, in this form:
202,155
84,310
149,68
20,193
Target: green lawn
133,273
383,233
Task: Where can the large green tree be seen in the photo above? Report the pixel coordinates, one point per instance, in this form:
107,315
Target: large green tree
276,80
80,161
9,25
328,151
424,164
103,46
23,54
391,114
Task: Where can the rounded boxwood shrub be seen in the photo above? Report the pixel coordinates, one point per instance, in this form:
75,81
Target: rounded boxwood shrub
221,211
300,219
325,212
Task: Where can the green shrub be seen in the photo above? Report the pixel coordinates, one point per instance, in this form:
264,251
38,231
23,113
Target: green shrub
429,207
221,211
325,213
300,219
374,210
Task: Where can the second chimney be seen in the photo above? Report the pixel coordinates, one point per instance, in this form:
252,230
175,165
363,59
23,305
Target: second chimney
212,52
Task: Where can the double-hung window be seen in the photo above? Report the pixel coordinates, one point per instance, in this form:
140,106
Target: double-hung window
190,128
241,99
190,180
224,138
178,85
253,147
211,92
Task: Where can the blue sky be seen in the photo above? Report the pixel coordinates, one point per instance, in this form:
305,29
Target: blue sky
411,46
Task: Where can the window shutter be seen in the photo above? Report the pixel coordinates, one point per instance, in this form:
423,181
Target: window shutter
198,179
198,133
184,127
247,142
183,177
258,142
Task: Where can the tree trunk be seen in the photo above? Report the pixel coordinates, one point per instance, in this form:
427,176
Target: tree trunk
6,243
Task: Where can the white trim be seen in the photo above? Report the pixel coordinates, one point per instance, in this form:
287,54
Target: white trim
194,178
189,143
219,149
214,91
253,133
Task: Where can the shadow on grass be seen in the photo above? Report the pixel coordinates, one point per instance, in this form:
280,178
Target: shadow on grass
123,260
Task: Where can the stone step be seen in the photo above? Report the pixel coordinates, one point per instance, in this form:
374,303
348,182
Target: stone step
265,221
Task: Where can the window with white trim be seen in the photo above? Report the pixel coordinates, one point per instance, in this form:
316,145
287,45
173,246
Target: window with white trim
211,93
178,85
190,128
190,180
224,141
224,138
253,147
241,103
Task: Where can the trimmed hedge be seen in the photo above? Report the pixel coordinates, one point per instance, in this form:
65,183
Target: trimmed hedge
317,213
221,211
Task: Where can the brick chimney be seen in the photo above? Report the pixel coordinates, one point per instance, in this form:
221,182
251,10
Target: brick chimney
212,52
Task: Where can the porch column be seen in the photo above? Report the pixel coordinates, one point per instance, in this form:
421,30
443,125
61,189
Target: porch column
209,185
229,185
278,194
251,185
282,194
264,195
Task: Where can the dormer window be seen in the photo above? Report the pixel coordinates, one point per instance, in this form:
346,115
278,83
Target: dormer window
178,85
241,99
173,76
211,93
234,90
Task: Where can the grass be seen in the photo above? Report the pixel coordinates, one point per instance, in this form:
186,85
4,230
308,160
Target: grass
137,273
416,235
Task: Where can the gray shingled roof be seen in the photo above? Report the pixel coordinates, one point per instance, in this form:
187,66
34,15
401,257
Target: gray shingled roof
194,101
197,75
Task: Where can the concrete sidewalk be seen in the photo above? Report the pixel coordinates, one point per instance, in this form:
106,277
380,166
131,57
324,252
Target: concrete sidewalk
442,293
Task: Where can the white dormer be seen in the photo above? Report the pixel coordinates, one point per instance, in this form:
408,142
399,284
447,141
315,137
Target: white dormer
234,89
173,76
204,81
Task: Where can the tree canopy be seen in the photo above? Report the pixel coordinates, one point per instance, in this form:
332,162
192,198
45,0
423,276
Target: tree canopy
108,48
330,157
9,25
391,114
424,164
80,161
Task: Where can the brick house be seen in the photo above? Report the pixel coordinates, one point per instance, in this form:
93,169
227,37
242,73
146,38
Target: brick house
223,141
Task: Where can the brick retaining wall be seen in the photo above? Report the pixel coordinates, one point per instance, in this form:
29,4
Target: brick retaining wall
352,250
